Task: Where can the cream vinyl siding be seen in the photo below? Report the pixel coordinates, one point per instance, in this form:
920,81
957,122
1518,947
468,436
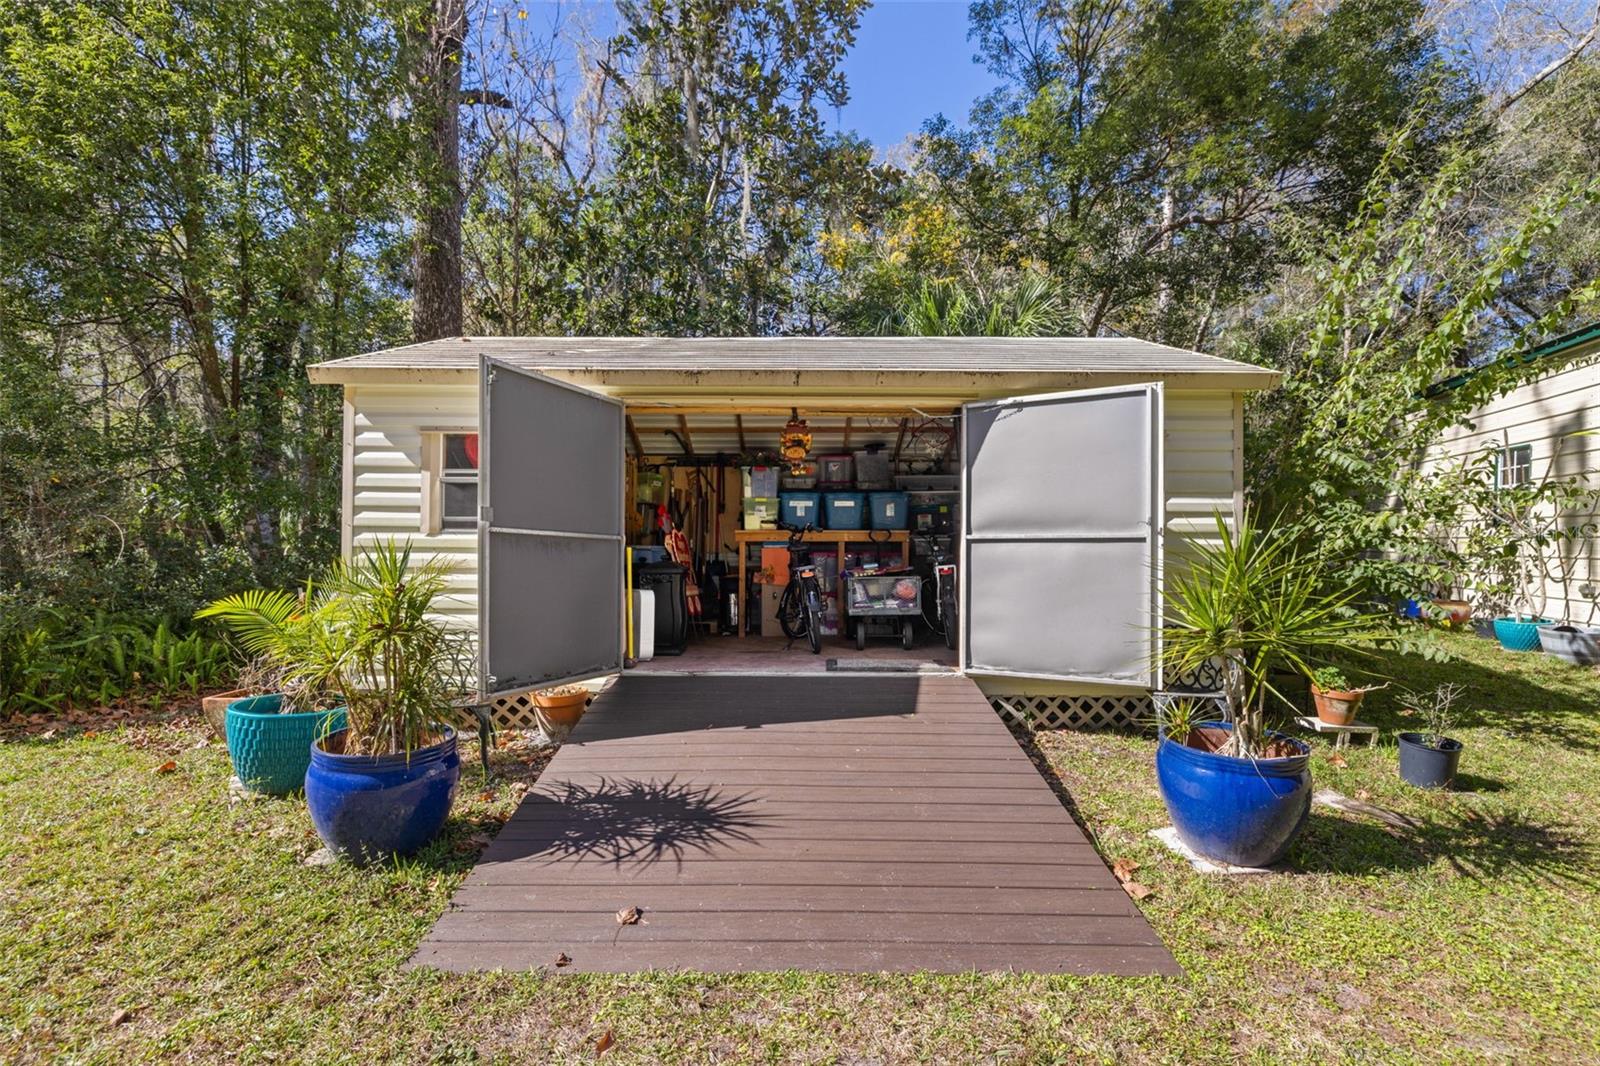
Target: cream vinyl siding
1543,414
1204,466
387,422
387,427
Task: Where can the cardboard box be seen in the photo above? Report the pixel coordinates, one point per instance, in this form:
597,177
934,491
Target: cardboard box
770,594
774,566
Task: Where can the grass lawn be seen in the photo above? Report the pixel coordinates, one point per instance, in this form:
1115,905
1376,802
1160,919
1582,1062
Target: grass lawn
149,915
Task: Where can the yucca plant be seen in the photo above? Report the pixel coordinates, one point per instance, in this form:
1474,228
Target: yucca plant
1253,602
364,632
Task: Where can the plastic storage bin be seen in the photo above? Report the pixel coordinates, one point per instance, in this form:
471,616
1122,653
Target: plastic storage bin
803,480
761,512
802,509
760,481
846,510
874,471
890,510
836,472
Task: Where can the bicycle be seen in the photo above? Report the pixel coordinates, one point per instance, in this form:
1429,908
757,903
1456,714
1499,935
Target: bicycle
944,597
800,606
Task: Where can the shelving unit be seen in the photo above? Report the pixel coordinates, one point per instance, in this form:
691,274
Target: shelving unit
840,538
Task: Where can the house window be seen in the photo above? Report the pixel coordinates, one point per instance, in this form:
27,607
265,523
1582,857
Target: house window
1514,466
451,491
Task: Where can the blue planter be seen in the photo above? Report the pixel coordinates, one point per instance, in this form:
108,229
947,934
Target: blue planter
369,807
1241,811
1519,635
270,751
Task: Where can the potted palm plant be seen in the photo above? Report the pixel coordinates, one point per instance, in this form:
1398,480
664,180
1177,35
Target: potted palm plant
381,782
1237,791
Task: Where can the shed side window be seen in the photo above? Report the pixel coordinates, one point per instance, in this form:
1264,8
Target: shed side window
450,489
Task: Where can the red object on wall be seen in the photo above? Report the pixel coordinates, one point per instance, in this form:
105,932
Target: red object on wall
471,444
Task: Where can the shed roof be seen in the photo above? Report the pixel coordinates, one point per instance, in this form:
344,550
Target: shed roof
1110,358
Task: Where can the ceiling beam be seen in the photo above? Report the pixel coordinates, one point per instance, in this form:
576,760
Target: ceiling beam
886,410
846,445
738,423
688,439
900,441
633,435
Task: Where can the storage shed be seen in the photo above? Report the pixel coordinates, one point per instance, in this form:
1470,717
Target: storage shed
1078,470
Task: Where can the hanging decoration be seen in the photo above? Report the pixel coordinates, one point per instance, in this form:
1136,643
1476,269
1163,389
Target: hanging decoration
794,444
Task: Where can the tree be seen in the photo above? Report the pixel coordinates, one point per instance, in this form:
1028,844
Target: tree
196,201
1145,155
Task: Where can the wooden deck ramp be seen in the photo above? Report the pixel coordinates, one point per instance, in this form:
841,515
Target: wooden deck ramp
855,823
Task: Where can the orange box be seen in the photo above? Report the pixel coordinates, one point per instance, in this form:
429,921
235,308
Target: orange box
774,566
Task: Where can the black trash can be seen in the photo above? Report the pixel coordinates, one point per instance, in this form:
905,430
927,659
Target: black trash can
668,582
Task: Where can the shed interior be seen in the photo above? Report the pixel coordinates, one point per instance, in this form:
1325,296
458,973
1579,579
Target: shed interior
705,473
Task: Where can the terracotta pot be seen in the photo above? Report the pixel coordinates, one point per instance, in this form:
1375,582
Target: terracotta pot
1336,706
216,709
1454,612
558,714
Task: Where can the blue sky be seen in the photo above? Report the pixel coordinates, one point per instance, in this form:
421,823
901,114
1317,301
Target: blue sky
911,61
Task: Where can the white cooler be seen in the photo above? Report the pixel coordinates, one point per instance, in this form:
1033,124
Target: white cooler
644,624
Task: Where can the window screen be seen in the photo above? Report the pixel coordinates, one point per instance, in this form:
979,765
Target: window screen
458,482
1515,465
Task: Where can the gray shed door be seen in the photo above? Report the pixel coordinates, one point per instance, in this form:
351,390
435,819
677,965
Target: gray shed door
550,530
1061,535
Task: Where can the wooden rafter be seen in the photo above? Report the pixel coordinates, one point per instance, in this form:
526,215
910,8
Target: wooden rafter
846,445
900,441
633,436
738,423
688,439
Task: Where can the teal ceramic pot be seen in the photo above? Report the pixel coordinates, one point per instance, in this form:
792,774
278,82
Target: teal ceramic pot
271,751
1516,634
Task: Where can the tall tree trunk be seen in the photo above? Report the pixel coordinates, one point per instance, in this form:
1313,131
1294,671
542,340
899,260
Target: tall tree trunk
436,94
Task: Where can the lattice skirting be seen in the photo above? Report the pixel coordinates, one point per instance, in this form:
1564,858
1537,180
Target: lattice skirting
1073,712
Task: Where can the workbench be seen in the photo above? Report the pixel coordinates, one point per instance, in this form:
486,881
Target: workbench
743,538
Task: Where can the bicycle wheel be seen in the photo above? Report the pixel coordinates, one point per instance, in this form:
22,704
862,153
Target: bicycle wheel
791,612
813,622
947,615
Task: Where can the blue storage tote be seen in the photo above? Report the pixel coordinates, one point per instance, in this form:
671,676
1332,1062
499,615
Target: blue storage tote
847,510
802,509
890,510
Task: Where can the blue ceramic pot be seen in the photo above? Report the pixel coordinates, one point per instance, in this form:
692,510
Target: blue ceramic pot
270,751
369,807
1241,811
1519,635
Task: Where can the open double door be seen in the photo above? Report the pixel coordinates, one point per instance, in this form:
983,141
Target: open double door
1060,549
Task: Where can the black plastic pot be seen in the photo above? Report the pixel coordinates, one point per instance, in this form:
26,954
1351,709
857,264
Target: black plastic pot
1425,766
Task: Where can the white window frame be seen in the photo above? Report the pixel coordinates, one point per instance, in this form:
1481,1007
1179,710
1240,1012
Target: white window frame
435,477
1511,461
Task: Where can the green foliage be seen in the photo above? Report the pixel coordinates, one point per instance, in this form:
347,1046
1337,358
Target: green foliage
1257,604
362,634
1027,308
1330,679
49,664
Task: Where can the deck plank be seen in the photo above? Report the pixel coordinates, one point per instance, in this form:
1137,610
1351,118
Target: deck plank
850,824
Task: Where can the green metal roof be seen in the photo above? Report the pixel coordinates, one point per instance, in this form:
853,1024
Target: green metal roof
1565,344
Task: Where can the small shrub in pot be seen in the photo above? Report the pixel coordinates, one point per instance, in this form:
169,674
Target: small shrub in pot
1429,758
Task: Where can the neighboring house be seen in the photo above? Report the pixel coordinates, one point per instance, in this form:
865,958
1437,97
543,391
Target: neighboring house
1531,431
1085,464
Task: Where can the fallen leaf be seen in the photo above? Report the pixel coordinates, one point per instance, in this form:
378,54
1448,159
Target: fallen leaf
629,916
90,734
167,767
603,1045
1124,868
486,796
1137,890
1337,760
563,959
121,1016
1363,795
